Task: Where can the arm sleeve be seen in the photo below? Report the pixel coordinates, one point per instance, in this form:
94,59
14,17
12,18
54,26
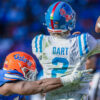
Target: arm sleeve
10,76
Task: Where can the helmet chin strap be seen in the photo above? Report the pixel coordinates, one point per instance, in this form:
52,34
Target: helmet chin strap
62,34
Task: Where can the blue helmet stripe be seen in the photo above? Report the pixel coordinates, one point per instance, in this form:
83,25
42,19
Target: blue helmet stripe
40,43
36,40
85,43
80,45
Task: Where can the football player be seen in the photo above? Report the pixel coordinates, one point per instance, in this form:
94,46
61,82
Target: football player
18,77
94,93
62,53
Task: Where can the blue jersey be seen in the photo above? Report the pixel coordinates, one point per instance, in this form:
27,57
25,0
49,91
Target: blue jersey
12,97
10,76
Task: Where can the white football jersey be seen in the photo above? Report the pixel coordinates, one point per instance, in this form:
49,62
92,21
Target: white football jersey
62,56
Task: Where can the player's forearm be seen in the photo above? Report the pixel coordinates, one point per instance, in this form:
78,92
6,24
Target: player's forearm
43,86
29,88
23,88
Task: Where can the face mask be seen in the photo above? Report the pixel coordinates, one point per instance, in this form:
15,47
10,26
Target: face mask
29,75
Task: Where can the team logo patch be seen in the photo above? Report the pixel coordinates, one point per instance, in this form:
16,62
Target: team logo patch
64,14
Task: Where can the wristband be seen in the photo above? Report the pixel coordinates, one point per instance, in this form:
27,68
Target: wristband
66,80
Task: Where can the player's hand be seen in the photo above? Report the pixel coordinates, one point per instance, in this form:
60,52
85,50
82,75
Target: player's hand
75,77
76,33
79,75
97,26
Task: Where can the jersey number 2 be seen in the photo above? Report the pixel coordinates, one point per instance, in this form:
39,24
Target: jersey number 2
62,70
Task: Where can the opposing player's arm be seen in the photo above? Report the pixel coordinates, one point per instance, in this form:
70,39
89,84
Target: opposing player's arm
41,86
28,88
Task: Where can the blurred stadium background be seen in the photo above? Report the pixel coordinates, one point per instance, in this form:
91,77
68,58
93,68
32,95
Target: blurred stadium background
21,20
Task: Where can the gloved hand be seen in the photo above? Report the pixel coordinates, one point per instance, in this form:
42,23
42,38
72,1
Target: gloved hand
75,77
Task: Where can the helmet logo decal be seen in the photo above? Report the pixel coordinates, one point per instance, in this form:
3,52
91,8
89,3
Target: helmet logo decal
63,13
23,59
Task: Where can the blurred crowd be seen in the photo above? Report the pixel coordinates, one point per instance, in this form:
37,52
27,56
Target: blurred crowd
21,20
